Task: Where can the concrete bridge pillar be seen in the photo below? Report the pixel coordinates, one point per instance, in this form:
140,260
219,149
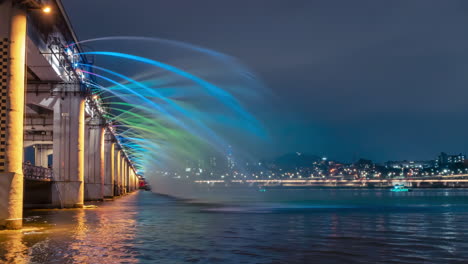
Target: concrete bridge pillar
41,154
123,170
132,173
132,188
109,166
124,175
120,176
135,181
122,179
12,90
117,163
135,185
94,160
127,175
132,181
69,144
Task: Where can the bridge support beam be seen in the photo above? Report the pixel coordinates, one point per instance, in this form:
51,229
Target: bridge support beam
137,185
130,181
124,171
12,87
134,180
117,163
122,174
126,176
94,160
41,155
137,182
69,143
109,166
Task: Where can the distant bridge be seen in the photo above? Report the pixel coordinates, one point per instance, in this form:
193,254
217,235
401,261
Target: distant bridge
451,181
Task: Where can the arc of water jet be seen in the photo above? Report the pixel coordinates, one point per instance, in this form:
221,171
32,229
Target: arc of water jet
178,43
213,135
225,58
178,108
232,102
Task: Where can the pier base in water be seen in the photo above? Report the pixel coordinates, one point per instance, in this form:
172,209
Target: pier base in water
67,194
11,200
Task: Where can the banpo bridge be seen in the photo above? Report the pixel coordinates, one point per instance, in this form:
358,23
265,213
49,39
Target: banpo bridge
45,105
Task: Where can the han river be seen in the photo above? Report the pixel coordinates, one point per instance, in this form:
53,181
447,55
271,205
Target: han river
248,226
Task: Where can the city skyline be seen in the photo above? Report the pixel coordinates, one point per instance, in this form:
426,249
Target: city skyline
290,161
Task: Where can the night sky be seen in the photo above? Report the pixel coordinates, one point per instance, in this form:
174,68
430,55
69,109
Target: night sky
375,79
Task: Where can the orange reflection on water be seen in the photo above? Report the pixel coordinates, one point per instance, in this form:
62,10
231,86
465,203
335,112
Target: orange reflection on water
13,250
104,235
101,235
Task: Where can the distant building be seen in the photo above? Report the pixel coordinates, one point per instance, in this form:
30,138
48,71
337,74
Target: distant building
444,159
212,162
230,159
409,164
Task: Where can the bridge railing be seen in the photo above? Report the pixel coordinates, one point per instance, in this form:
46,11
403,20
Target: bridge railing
37,173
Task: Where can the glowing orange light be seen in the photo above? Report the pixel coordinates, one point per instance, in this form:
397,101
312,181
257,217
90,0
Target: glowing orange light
46,9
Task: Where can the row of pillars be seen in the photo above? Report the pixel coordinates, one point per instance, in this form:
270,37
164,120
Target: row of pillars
87,163
107,172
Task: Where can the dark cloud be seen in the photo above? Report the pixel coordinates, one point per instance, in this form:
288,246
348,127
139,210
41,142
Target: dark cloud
381,79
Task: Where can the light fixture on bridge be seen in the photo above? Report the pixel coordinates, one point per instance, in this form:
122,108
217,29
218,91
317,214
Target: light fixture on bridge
46,9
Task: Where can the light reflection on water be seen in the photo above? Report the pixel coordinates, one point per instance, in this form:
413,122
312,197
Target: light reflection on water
13,249
101,235
307,226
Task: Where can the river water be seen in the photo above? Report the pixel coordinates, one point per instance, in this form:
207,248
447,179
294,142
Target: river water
276,226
